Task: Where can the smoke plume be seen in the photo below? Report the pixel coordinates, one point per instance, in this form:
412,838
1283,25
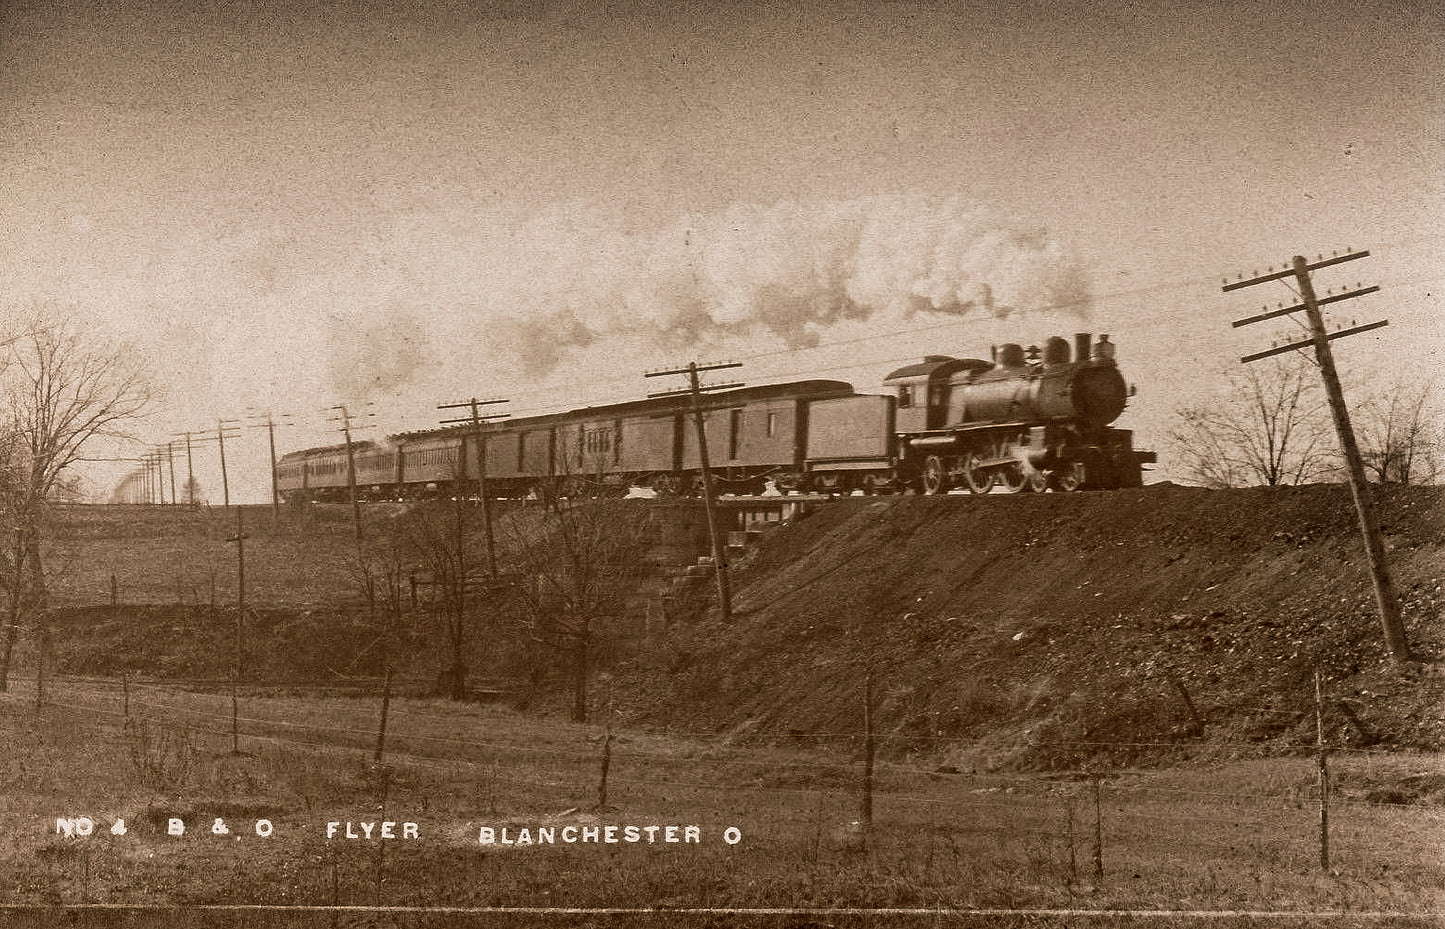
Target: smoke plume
790,270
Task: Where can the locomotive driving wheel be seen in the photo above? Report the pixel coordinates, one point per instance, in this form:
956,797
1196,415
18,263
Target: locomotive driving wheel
934,476
978,480
1036,481
1012,478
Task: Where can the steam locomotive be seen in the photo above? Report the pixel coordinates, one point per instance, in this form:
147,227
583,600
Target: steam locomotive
1025,420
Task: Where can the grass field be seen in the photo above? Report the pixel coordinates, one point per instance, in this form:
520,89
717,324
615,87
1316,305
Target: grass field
1218,843
1228,837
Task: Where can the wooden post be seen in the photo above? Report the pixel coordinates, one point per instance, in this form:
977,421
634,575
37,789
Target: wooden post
190,473
381,727
1195,719
719,549
351,472
1323,776
171,462
606,763
43,648
225,480
1098,833
1385,596
868,750
1073,855
275,478
479,440
240,541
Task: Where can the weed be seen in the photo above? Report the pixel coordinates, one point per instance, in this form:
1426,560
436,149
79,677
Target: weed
160,758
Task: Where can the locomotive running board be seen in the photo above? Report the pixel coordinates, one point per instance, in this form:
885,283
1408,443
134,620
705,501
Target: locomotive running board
940,439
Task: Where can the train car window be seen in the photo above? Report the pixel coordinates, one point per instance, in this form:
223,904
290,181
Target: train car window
772,425
905,397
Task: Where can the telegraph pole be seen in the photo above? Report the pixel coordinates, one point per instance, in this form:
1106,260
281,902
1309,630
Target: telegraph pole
149,459
345,420
240,540
719,550
270,424
222,425
190,465
1319,340
480,443
171,462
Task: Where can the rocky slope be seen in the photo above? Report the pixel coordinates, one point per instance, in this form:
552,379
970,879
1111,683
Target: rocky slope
1055,630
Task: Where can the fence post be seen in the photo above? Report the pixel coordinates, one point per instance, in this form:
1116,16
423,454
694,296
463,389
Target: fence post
1098,833
381,726
1324,775
868,752
606,761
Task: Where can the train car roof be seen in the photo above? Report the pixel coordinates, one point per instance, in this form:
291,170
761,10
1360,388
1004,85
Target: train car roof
656,406
940,366
357,446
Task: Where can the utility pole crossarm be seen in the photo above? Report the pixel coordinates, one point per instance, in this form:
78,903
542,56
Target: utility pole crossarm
1308,343
1283,273
1298,307
687,391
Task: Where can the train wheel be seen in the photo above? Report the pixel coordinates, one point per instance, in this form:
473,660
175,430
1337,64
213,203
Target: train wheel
1069,478
935,476
1036,481
978,480
1012,478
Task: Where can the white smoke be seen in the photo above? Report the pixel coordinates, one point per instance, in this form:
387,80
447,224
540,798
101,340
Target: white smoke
790,270
425,304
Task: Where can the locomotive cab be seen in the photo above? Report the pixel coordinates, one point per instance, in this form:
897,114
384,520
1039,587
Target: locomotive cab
925,391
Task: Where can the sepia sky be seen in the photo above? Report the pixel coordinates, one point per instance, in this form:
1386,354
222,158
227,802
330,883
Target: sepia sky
289,205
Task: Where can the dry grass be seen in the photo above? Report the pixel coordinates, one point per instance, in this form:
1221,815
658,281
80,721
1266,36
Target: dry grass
1237,836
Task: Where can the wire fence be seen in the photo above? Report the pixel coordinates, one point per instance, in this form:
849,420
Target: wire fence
419,733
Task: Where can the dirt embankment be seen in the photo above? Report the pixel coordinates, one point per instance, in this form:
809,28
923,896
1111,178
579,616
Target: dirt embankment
1051,630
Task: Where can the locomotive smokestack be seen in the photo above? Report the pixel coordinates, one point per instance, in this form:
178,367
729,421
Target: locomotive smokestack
1082,343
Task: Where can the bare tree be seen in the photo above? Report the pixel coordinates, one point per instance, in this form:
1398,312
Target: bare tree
436,537
579,565
61,390
1267,429
1398,438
